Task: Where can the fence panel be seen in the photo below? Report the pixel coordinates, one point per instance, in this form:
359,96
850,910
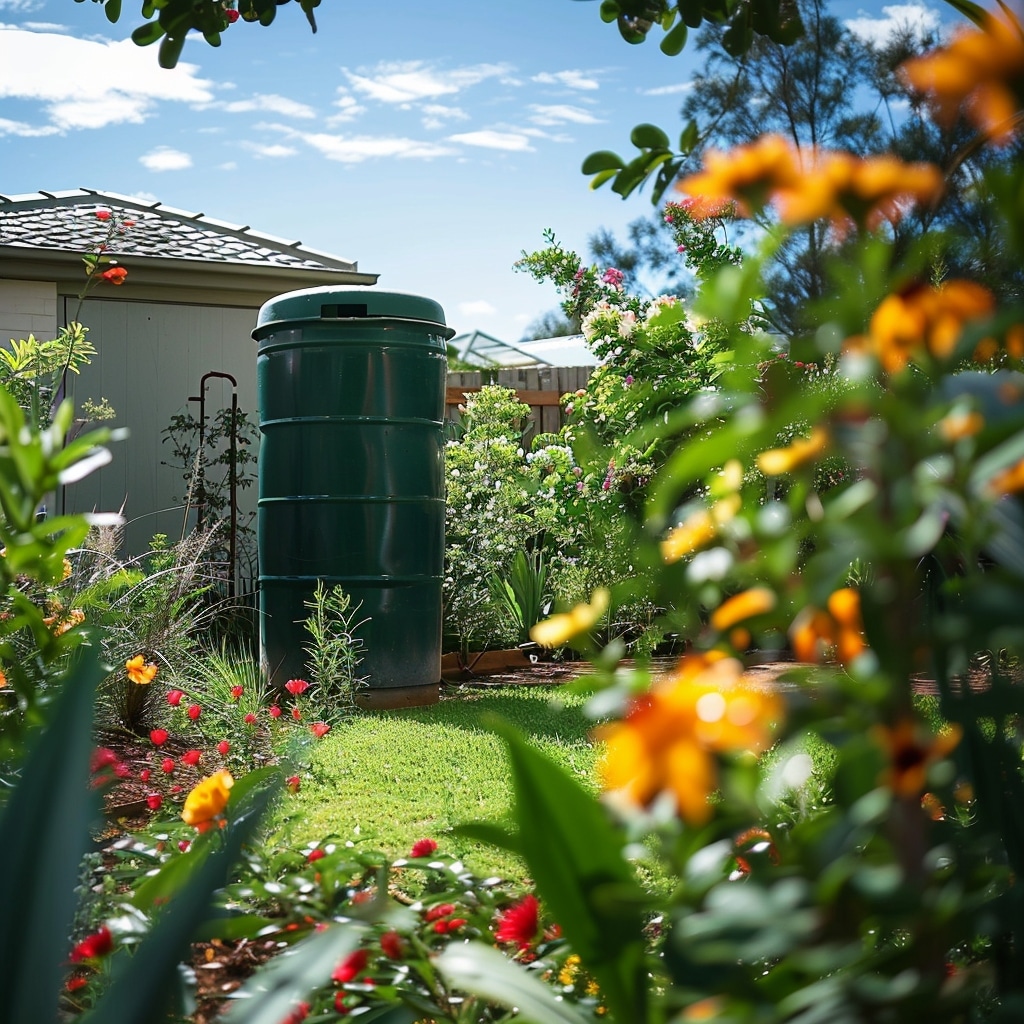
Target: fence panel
541,388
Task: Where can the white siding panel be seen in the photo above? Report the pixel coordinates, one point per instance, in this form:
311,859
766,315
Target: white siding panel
151,359
28,307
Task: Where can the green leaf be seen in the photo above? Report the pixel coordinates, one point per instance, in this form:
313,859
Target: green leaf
692,12
674,41
490,833
483,971
599,179
602,160
112,9
610,11
575,856
170,50
45,826
689,137
648,136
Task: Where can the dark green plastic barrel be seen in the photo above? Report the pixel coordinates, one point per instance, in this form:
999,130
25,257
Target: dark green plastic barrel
351,393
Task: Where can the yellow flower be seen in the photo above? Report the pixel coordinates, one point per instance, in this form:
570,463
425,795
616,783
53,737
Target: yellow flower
560,629
668,740
784,460
747,174
139,671
207,800
925,317
815,634
745,605
698,529
979,73
911,750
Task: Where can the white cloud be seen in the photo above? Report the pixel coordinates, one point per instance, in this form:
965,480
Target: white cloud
570,79
163,158
125,84
435,114
489,139
21,6
357,149
229,166
896,17
349,108
271,150
270,102
26,131
478,307
667,90
560,114
44,26
409,81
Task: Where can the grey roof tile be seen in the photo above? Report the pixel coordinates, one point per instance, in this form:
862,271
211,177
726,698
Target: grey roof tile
67,221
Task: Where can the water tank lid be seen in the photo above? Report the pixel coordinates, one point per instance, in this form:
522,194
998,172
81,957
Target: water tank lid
329,303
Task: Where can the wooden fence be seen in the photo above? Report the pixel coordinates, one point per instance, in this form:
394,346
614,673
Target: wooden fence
541,388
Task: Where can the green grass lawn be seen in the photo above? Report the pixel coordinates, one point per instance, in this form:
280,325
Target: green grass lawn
389,778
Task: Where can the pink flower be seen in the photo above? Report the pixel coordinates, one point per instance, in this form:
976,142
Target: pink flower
184,844
423,848
293,782
102,757
174,697
296,686
519,923
275,711
153,801
316,854
250,719
194,711
191,757
613,277
122,771
350,967
100,943
158,737
167,765
223,747
319,729
236,692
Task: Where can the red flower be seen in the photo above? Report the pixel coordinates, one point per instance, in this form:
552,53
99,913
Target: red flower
339,1004
423,848
153,801
194,711
441,910
296,686
115,275
174,697
103,215
250,719
191,757
391,945
275,711
128,223
440,927
296,714
75,982
223,747
315,855
184,844
299,1014
232,15
175,789
144,775
350,967
519,923
456,923
122,771
102,757
158,737
293,782
167,765
98,944
319,729
236,692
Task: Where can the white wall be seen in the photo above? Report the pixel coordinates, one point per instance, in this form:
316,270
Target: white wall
27,307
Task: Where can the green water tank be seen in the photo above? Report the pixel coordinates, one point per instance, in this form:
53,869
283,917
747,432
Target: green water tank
351,394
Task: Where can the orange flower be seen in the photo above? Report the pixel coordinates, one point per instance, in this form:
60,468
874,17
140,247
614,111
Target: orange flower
925,317
207,800
911,750
1008,481
844,188
698,529
745,605
115,275
960,423
560,629
668,740
980,72
139,671
784,460
749,174
815,634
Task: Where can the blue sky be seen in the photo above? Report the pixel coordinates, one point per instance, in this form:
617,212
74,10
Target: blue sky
432,149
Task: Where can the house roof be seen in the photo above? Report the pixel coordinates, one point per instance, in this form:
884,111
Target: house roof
481,349
67,222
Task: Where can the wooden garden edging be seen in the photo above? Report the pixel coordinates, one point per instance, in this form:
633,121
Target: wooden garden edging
541,388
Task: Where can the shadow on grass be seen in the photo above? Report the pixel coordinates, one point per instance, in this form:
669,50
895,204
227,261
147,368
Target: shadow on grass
538,713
